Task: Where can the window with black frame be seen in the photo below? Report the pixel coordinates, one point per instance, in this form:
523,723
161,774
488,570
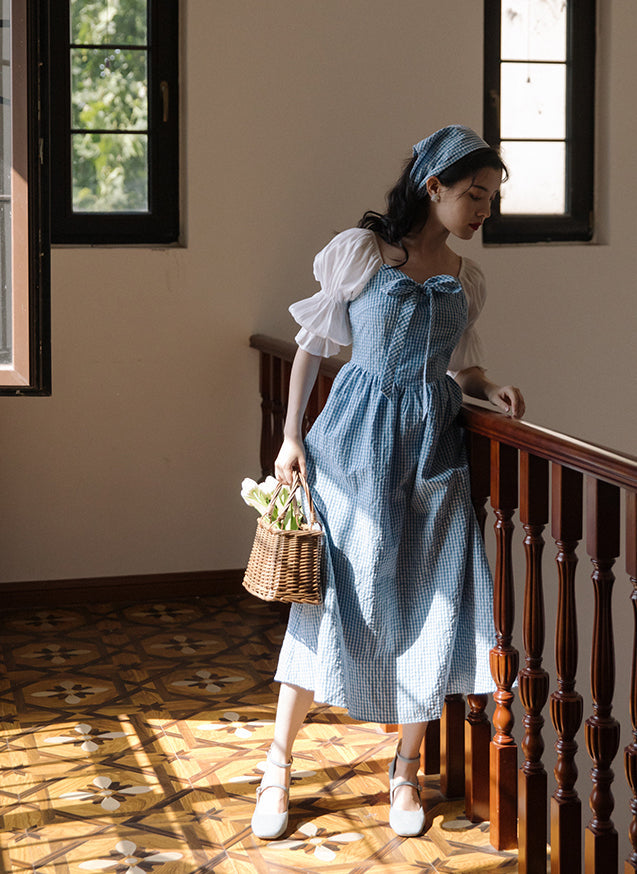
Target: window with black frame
114,136
539,108
25,330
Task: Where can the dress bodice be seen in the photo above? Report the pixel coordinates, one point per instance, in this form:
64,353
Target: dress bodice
404,331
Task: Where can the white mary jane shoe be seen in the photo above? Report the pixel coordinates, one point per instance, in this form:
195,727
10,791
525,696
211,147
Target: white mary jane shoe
269,826
405,823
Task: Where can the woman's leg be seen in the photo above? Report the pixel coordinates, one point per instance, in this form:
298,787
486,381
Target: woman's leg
292,708
412,736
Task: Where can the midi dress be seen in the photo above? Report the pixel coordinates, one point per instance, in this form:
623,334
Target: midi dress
407,610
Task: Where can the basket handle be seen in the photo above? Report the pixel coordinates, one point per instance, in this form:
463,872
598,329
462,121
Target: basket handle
310,503
297,479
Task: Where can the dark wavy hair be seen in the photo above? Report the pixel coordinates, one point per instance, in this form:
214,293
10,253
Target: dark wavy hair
408,210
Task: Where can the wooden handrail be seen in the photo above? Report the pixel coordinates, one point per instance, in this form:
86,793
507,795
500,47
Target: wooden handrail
614,467
286,351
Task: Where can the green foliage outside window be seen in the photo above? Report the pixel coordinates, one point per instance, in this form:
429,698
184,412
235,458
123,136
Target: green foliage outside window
109,105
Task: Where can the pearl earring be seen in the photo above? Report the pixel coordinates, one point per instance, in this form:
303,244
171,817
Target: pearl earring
435,198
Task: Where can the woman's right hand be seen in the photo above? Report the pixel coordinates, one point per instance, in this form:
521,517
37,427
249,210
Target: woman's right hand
291,457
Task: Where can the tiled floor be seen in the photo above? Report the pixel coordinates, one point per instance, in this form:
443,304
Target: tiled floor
133,738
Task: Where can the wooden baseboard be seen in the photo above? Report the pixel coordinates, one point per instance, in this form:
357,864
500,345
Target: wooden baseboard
51,593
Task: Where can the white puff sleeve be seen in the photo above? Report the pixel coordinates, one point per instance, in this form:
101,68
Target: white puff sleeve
343,268
469,351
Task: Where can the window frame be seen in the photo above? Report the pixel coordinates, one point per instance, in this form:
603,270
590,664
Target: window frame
30,323
160,225
577,222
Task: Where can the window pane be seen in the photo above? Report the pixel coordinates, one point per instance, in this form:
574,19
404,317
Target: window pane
6,354
534,30
109,89
5,127
537,182
533,101
5,99
5,32
5,286
110,172
95,22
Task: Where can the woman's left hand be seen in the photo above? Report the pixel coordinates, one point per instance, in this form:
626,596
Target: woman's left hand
474,382
508,398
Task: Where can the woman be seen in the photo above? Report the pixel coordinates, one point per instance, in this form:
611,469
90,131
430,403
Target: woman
406,616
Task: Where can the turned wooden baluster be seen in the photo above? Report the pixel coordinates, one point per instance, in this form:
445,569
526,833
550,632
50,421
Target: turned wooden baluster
566,703
602,731
317,400
630,753
278,393
324,387
479,452
430,749
503,658
452,747
285,384
477,738
267,448
533,679
314,407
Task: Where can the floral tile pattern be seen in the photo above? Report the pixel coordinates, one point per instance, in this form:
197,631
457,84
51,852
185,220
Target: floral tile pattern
133,736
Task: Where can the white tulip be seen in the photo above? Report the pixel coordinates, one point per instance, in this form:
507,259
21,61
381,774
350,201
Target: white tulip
268,485
247,486
259,496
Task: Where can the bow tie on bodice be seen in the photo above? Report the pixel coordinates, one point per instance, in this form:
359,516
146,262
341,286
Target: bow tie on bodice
404,285
409,291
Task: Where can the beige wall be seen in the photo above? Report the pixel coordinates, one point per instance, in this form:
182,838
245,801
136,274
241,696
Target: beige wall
296,117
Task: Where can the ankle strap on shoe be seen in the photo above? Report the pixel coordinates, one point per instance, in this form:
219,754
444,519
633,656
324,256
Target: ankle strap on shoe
406,758
261,789
268,756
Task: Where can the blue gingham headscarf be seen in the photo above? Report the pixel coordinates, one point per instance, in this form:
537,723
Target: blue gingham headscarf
442,149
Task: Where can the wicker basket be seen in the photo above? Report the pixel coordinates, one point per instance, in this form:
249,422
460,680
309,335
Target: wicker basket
286,565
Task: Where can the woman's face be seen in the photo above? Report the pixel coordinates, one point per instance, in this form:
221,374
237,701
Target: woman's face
464,206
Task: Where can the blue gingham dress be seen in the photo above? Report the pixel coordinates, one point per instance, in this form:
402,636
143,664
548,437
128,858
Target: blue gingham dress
407,614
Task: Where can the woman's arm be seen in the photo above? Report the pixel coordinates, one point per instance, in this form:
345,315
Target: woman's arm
302,378
473,382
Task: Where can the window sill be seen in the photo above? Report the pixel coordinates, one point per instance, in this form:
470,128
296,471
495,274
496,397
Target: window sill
160,247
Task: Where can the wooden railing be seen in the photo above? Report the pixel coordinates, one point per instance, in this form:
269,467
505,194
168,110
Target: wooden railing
542,475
